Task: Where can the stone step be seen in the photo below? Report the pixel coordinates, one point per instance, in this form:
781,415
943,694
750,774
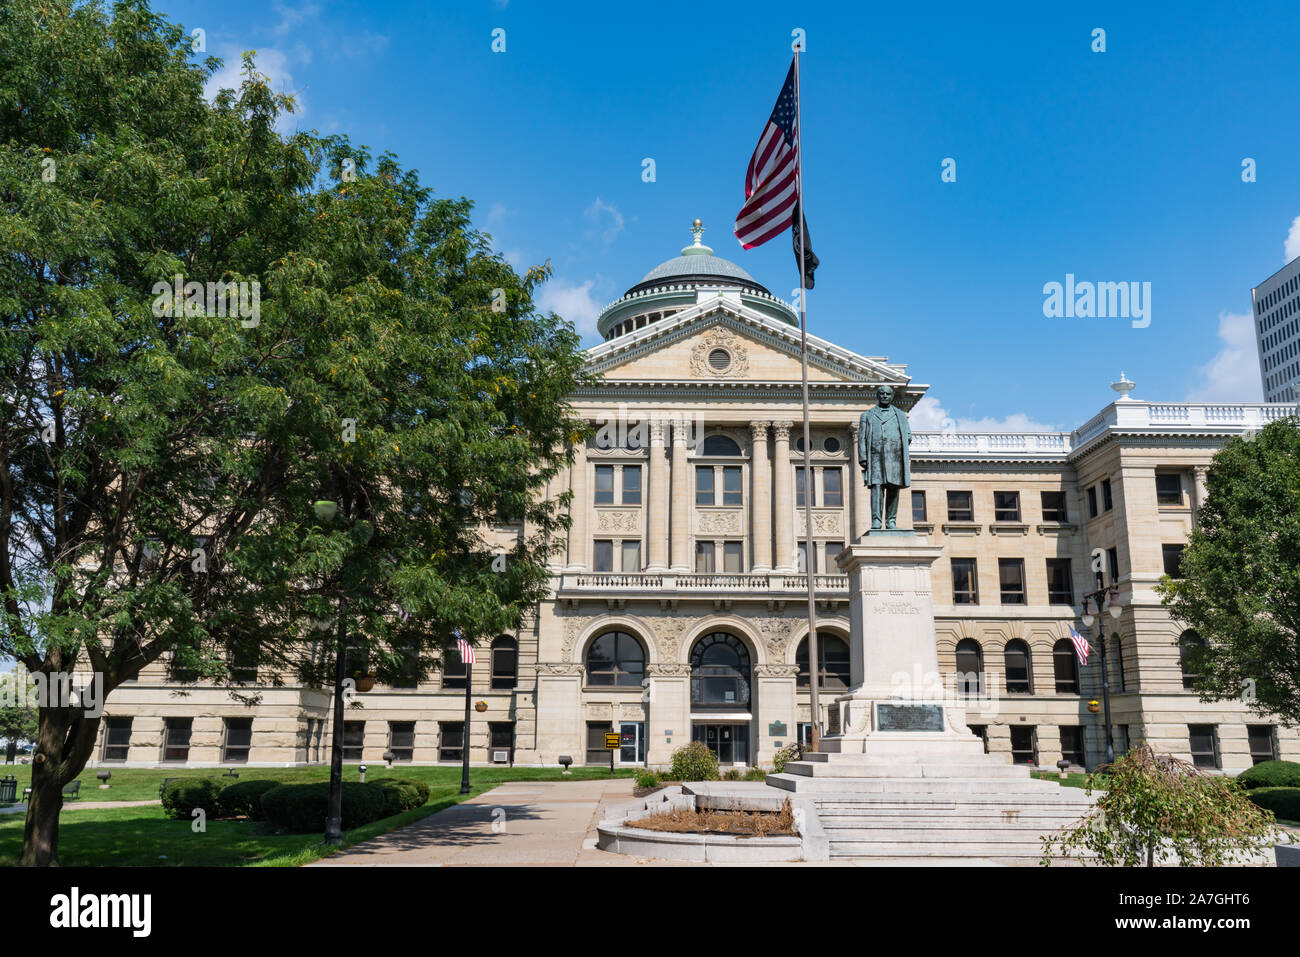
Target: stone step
901,771
868,849
819,784
978,758
927,832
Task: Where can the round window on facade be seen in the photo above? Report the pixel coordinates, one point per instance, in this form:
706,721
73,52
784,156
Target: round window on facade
719,360
831,445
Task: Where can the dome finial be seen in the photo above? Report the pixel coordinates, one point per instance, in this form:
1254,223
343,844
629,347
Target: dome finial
697,248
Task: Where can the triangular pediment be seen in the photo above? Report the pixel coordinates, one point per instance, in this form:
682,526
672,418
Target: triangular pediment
722,342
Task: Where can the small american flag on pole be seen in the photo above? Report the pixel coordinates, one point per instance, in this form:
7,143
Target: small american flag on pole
1081,645
772,182
403,613
466,652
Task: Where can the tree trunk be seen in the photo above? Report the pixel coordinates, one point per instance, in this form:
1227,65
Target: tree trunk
41,836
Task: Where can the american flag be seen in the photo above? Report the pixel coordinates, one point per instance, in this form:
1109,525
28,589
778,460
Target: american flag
466,652
772,180
1081,645
403,613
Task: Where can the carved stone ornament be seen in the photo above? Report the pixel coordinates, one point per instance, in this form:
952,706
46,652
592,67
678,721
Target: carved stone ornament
719,522
617,521
559,668
720,338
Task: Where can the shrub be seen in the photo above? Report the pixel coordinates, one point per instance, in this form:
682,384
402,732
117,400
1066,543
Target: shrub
1283,802
402,795
645,778
755,774
182,796
300,808
244,798
731,774
695,762
791,752
1271,774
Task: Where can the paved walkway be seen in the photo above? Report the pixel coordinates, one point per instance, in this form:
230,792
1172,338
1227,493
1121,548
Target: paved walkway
21,807
550,823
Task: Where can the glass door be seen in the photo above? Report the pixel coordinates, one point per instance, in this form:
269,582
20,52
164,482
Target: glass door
633,749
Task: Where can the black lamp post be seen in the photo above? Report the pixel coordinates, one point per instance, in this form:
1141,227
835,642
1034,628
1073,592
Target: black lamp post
1110,596
325,511
464,744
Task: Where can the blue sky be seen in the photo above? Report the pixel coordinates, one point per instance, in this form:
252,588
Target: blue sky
1123,165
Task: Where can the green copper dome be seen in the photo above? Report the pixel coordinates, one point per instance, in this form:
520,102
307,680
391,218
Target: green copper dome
698,266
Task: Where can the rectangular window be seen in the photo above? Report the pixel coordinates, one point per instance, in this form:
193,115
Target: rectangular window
176,739
1112,562
832,487
704,552
1121,741
453,669
1072,744
401,740
1060,582
597,753
451,740
243,662
799,485
631,556
1006,506
237,738
960,508
965,587
1011,578
732,553
354,740
604,485
1169,488
803,558
731,494
704,485
981,731
117,739
1204,744
1054,507
1107,502
918,507
1173,556
408,669
501,737
1092,502
631,485
602,559
1263,742
1024,744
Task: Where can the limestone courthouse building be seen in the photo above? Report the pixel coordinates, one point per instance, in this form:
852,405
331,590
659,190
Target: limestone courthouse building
679,608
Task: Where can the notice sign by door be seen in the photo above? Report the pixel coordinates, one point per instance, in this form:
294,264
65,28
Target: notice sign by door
613,741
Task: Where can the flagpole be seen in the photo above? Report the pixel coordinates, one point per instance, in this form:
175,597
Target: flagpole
814,662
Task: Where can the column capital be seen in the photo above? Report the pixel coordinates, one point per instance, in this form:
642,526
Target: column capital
781,430
656,431
758,431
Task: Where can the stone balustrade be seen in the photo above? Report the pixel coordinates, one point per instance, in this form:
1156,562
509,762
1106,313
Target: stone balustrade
728,584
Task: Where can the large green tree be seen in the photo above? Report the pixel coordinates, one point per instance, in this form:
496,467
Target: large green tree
159,459
1240,584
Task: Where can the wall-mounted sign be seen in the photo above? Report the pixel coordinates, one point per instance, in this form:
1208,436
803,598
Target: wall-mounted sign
777,729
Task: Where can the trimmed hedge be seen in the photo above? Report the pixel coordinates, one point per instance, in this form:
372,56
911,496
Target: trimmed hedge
402,795
301,808
181,796
695,762
244,798
1271,774
1283,802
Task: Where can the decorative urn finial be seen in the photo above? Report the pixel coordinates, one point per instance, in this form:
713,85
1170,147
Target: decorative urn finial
697,248
1124,386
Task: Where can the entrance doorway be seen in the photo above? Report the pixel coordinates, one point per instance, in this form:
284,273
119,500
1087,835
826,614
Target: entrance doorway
730,742
633,749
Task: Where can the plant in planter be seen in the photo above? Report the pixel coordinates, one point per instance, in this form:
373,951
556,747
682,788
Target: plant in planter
365,680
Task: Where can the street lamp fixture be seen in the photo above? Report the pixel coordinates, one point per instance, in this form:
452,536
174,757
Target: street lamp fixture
1109,596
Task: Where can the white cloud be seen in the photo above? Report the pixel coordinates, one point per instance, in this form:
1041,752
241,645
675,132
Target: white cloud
1292,248
1233,374
929,415
291,17
496,213
270,62
606,219
572,301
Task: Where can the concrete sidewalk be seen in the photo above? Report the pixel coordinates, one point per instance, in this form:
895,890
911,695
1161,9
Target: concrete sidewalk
551,823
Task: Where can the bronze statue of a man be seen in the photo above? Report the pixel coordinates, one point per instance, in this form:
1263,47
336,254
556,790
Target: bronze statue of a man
883,440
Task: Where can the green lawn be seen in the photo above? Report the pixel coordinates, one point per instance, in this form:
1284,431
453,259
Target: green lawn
144,836
141,784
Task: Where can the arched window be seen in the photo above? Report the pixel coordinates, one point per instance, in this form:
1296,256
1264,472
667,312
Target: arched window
1066,667
720,672
1189,642
719,445
616,659
833,658
1019,675
505,663
1117,653
970,667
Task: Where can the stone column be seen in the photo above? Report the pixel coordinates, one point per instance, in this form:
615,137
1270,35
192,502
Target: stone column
862,494
783,489
657,526
760,503
578,510
681,498
1199,492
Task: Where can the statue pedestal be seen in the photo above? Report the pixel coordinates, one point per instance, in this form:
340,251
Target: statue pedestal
896,704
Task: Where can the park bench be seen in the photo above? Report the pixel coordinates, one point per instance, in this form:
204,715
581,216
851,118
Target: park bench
71,791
